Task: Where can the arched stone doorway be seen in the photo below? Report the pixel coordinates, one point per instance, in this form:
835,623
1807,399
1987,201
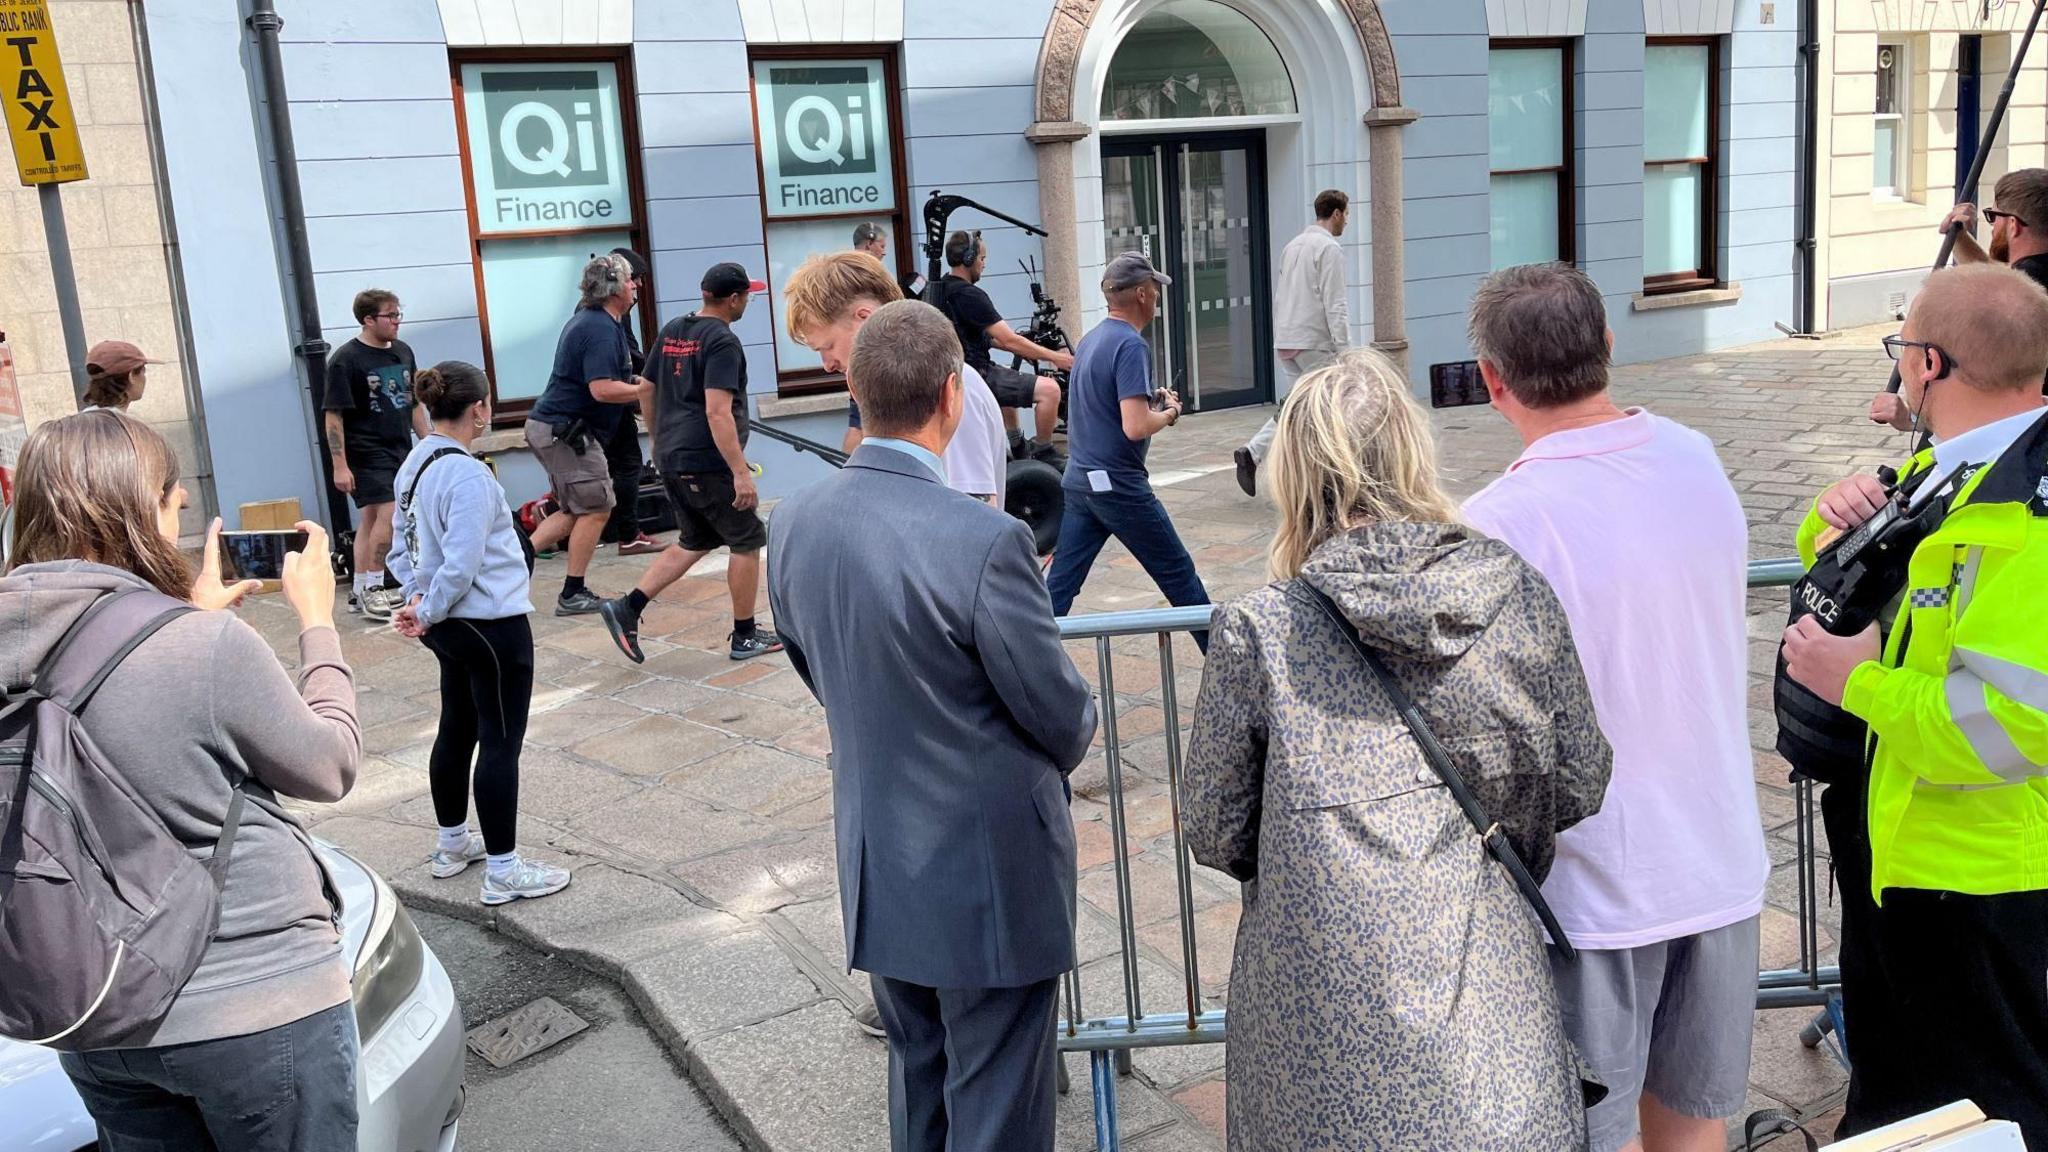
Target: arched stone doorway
1342,65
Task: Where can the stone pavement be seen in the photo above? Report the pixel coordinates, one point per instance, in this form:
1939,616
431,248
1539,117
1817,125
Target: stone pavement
690,794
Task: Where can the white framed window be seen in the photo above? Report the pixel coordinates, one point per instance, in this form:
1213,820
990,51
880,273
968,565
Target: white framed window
1891,146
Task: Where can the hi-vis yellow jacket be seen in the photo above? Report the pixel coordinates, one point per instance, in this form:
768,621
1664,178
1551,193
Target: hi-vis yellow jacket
1958,703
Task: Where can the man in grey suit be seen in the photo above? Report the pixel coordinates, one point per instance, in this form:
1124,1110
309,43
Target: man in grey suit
915,614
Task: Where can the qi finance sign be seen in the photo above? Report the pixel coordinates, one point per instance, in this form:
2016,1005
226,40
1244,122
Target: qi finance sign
824,134
546,152
39,120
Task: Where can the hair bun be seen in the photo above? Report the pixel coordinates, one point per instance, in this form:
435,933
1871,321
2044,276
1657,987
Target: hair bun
429,386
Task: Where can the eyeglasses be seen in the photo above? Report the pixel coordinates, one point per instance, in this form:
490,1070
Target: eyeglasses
1892,345
388,316
1993,215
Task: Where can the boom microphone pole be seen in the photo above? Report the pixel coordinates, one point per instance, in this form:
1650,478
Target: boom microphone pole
1967,194
941,206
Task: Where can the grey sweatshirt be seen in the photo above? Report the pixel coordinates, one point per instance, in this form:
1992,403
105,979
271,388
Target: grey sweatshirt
203,697
454,546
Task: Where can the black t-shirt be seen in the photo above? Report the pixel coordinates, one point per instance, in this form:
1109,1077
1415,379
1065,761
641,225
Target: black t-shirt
972,312
594,346
632,357
694,357
372,389
2036,268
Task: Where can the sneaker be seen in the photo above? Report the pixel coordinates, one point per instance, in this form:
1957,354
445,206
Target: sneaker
528,880
380,603
761,643
868,1019
445,864
355,604
624,625
641,545
1247,471
582,603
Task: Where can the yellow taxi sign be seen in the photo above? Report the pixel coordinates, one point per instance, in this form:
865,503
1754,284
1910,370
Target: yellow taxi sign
39,123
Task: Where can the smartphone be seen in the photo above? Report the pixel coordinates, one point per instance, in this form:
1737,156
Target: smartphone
257,555
1456,385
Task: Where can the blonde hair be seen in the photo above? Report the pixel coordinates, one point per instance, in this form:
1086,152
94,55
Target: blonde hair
89,488
1352,447
1991,320
827,286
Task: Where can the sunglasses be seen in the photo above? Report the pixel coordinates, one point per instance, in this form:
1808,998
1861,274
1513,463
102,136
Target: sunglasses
1993,216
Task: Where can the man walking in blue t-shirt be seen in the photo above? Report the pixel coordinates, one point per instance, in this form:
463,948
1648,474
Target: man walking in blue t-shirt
1112,415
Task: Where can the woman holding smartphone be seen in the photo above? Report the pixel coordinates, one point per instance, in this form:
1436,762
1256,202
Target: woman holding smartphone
463,574
258,1048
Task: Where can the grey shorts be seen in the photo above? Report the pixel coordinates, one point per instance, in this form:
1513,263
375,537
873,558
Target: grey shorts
582,481
1672,1018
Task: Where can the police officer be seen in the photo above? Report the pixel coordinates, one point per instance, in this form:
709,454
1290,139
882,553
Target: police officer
1942,847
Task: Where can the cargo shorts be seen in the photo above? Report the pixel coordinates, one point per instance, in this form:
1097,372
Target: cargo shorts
582,481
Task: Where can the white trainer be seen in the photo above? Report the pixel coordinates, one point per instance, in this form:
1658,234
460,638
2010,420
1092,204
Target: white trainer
528,880
446,864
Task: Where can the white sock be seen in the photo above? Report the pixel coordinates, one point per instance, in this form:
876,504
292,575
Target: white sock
356,585
501,864
372,581
455,839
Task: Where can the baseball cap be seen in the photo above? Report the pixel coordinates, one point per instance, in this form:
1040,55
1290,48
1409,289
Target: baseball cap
634,260
1130,269
727,278
114,357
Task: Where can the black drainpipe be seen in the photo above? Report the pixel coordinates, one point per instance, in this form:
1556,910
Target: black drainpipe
1809,164
310,348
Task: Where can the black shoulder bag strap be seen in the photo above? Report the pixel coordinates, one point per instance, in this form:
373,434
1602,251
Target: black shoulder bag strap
1490,833
412,490
414,487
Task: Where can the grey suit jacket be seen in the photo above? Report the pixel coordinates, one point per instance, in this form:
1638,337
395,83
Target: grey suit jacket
917,617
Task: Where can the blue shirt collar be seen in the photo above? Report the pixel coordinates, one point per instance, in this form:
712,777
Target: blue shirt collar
917,452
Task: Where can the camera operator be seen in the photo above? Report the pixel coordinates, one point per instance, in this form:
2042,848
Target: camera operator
2019,238
587,390
982,329
1944,948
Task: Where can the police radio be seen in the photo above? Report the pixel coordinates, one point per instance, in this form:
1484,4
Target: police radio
1852,583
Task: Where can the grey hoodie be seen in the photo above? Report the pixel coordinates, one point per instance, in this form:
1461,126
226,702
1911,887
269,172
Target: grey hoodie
200,699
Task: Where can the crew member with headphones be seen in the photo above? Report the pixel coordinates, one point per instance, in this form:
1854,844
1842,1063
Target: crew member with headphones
981,328
592,380
1940,836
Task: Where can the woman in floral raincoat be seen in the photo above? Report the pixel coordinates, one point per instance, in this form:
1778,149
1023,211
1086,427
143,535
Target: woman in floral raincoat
1390,988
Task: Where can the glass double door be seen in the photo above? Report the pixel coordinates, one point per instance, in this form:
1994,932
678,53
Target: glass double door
1196,205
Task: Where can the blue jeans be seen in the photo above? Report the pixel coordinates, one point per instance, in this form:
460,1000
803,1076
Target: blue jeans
288,1089
1139,521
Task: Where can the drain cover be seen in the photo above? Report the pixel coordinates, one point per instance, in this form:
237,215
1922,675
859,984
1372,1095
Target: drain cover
519,1034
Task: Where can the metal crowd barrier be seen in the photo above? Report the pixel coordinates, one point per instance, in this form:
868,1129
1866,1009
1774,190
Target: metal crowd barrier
1110,1040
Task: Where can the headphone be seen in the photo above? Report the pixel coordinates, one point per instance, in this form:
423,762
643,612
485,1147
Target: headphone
962,248
616,272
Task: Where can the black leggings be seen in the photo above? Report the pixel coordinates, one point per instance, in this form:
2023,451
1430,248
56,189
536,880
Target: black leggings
486,687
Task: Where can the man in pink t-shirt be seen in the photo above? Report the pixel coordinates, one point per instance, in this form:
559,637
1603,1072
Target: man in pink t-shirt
1632,519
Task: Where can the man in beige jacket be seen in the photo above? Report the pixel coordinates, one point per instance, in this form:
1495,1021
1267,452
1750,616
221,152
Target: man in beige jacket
1311,313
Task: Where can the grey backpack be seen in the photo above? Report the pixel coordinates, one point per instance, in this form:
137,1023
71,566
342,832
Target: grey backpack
104,914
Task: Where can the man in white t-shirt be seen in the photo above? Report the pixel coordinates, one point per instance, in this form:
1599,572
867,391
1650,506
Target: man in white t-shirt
1632,520
825,302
